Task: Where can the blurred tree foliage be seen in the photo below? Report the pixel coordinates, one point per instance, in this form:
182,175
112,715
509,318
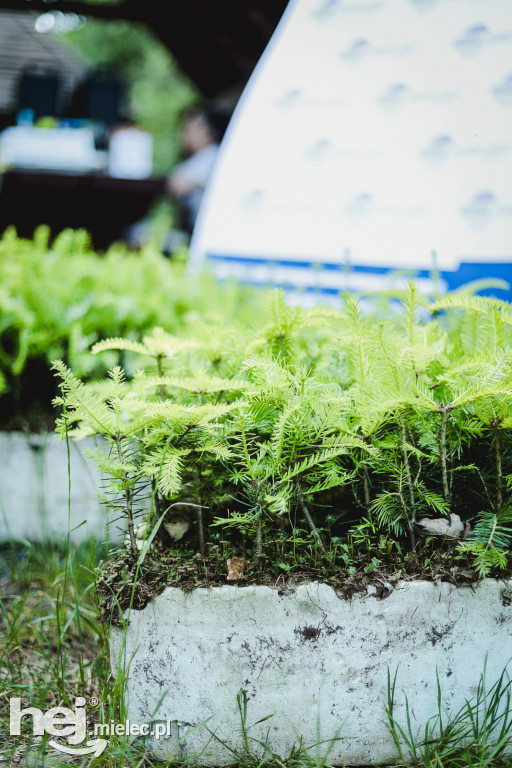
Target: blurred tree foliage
158,92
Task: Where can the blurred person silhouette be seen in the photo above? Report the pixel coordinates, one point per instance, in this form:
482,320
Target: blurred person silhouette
203,130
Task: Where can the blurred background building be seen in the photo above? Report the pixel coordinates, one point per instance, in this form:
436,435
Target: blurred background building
29,59
91,99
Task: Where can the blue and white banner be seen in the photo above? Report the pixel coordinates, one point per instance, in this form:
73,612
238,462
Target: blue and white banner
372,134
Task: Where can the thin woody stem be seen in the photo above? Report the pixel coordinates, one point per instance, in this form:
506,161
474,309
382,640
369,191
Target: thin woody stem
200,529
446,487
366,487
128,500
412,518
258,549
312,526
200,522
412,536
161,374
156,496
499,470
406,463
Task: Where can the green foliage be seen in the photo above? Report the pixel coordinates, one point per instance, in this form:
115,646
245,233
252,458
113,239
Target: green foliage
490,540
279,430
56,300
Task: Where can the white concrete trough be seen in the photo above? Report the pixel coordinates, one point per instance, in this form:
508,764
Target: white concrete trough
316,662
34,490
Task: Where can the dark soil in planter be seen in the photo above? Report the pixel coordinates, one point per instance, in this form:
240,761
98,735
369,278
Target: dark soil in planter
26,405
122,583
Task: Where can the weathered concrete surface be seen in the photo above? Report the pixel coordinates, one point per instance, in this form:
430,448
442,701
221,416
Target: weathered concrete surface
310,658
34,489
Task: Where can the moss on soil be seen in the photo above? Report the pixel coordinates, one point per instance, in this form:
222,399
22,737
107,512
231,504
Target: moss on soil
122,583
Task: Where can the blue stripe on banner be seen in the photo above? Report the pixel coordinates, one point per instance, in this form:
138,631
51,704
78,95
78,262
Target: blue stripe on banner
314,265
467,272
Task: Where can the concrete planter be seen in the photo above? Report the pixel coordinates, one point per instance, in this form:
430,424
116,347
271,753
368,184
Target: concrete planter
310,658
34,490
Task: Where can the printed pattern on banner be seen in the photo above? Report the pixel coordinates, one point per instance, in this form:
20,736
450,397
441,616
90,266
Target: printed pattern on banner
372,134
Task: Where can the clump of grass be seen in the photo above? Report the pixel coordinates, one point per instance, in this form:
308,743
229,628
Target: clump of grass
257,753
478,735
52,649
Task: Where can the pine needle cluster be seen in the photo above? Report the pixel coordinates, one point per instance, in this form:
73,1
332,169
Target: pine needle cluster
58,297
318,428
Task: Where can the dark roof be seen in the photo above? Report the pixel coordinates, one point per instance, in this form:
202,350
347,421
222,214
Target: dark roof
216,42
24,49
